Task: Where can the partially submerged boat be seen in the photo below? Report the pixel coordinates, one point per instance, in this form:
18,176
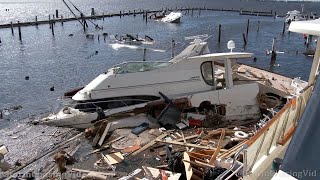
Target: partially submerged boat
172,17
131,40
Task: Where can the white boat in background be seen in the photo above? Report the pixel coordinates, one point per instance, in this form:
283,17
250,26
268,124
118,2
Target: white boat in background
173,17
294,15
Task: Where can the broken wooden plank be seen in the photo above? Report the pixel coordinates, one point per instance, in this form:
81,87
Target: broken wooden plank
87,171
105,132
190,145
184,140
187,166
151,143
187,138
114,158
199,155
131,149
106,146
216,153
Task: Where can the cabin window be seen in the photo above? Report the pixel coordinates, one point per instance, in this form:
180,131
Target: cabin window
207,72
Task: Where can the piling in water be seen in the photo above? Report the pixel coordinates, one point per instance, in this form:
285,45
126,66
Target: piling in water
92,12
283,28
57,13
219,35
19,29
247,32
258,26
244,39
36,20
11,25
144,54
273,52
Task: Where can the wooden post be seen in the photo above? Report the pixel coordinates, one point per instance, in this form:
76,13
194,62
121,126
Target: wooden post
219,37
120,14
146,16
275,14
192,12
103,16
247,28
273,52
134,13
36,21
57,13
258,26
244,39
144,54
173,44
19,29
53,20
143,14
52,27
92,12
49,21
199,11
284,28
61,20
129,13
11,25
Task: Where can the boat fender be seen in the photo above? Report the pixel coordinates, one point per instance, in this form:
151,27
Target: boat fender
241,134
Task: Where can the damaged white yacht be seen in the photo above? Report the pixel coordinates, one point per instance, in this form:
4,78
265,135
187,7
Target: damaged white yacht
193,74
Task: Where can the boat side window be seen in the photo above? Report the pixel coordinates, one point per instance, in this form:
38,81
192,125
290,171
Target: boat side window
207,72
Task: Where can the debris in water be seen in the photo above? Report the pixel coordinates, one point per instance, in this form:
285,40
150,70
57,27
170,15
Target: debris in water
52,88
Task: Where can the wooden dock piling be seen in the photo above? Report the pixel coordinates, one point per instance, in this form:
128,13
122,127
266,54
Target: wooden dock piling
120,14
273,51
49,21
52,27
57,13
283,28
36,20
19,29
11,25
92,12
146,16
247,32
173,44
258,26
144,54
219,35
199,11
61,20
244,39
192,12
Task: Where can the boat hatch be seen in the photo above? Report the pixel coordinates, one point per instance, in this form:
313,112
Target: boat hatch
142,66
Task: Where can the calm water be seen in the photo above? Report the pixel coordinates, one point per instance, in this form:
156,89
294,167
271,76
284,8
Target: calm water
67,62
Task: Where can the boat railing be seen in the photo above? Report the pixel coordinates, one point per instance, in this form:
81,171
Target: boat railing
94,103
262,147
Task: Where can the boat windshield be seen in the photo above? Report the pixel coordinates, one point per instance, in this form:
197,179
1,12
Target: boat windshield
141,66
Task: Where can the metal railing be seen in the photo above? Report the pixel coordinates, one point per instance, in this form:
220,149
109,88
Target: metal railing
277,132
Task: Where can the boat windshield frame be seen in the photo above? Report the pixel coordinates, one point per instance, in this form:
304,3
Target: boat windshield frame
140,66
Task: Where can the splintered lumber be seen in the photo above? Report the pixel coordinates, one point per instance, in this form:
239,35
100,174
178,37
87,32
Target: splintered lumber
104,147
187,166
195,164
114,158
187,138
190,145
105,132
87,171
215,154
233,150
198,155
184,140
151,143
